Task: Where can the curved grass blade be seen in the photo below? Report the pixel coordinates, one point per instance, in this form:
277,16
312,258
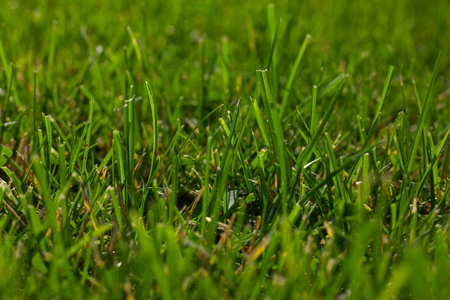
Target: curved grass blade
196,127
154,136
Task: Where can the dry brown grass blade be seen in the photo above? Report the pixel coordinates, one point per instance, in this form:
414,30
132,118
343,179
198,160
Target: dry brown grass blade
9,207
226,234
199,196
255,234
260,248
87,203
139,164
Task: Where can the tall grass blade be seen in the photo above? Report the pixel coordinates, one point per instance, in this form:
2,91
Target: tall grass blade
422,119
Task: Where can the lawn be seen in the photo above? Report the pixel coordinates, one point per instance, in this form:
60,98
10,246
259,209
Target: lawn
224,149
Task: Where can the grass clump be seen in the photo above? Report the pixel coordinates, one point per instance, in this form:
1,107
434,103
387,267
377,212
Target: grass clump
207,150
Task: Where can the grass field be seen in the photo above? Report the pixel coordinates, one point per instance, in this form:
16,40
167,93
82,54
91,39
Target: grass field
224,149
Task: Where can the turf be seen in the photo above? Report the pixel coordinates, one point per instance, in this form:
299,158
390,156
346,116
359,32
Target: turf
217,150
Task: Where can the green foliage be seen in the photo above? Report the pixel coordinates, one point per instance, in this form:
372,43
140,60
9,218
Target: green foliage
203,149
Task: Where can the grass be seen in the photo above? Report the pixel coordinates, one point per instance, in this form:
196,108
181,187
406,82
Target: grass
207,150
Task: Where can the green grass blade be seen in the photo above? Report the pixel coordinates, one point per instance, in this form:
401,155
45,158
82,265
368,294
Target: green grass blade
293,74
277,136
219,186
420,124
196,127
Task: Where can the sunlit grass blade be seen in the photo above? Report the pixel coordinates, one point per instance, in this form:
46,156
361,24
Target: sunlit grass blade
259,120
49,138
154,135
293,74
135,44
386,87
3,58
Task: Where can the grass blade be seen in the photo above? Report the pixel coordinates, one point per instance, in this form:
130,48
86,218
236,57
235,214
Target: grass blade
420,125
